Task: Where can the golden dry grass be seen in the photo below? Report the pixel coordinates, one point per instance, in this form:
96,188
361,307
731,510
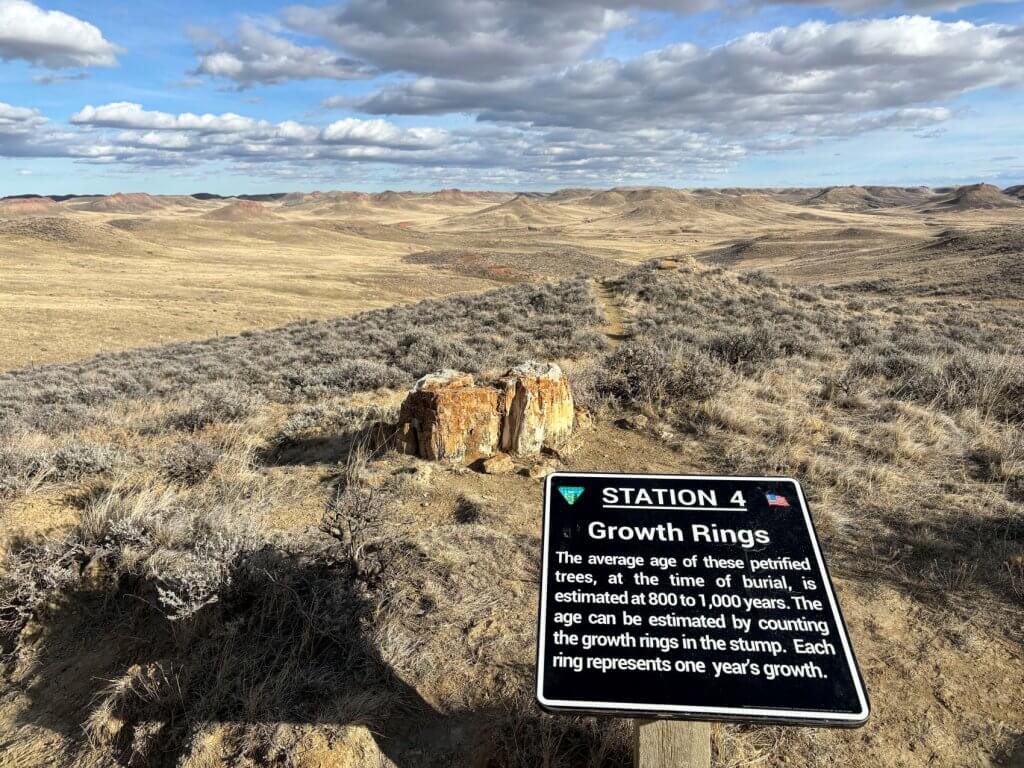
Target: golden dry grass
83,277
407,638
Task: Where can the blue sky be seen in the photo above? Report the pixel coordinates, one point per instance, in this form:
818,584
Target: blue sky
420,94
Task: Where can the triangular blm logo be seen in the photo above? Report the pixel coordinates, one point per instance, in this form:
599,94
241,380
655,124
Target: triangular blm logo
570,493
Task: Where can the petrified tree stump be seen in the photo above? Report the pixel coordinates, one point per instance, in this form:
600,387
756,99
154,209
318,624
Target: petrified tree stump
448,416
538,408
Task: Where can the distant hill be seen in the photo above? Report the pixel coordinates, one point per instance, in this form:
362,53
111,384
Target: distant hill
242,210
122,202
979,196
28,206
521,211
852,196
264,198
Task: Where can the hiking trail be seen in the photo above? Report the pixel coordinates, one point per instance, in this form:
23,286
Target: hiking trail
614,326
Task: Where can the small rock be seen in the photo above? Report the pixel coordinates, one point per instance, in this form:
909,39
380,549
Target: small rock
583,418
423,473
543,469
32,631
499,464
666,264
565,451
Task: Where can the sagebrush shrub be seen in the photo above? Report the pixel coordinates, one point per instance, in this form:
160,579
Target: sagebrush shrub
751,347
356,515
216,403
190,462
354,376
641,372
76,460
188,547
991,383
13,468
304,361
32,573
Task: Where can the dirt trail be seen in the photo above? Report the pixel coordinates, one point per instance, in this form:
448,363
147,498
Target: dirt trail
614,327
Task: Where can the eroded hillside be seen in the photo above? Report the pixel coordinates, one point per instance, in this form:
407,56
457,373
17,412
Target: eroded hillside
102,274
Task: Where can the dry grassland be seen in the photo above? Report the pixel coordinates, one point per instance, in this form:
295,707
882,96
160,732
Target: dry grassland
210,561
98,275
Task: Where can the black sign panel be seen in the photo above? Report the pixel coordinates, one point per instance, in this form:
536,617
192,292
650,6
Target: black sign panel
702,598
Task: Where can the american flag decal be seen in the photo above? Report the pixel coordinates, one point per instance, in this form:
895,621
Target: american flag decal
774,500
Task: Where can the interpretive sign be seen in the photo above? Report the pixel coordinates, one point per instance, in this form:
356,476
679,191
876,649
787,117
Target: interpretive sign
702,598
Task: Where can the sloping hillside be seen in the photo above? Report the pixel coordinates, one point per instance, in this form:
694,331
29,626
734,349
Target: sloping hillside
121,202
209,564
979,197
242,210
28,206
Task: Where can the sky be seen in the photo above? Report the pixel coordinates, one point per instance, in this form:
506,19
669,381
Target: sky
225,97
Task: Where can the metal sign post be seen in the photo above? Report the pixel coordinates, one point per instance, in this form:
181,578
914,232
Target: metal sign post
668,598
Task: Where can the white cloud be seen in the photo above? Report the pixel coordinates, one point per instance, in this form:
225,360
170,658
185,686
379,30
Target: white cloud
155,140
683,111
153,137
257,56
24,132
468,39
51,38
483,40
126,114
381,132
815,78
18,118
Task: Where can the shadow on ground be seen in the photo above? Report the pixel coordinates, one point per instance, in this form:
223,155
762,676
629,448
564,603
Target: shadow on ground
941,557
1016,756
326,449
290,644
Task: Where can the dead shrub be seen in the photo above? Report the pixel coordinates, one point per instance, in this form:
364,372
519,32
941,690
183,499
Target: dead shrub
468,510
14,470
362,424
843,390
358,511
999,457
189,463
526,738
